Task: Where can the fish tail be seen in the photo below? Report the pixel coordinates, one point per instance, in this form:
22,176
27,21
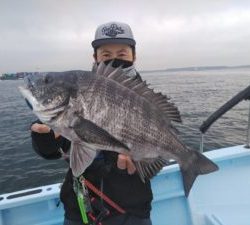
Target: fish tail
198,164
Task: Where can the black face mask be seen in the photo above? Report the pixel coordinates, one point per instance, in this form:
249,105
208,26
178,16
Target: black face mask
119,62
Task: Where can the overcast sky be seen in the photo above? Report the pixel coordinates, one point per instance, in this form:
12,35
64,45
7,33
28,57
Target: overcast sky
56,34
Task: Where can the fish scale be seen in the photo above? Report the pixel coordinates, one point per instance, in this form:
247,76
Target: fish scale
115,100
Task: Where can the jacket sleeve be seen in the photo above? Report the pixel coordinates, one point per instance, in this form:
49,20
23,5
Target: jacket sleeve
47,146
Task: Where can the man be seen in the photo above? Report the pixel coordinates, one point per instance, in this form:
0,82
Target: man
114,174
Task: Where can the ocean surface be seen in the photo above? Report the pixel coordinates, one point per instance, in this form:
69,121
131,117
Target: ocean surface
197,95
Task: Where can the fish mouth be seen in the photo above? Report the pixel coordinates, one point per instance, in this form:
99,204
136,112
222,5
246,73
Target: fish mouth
43,113
32,103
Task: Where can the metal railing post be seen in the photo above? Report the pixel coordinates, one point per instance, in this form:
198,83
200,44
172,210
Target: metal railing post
201,144
248,129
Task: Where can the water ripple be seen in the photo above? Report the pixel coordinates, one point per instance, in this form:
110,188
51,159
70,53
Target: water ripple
197,95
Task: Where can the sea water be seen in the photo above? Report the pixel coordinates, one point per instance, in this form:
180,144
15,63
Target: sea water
196,94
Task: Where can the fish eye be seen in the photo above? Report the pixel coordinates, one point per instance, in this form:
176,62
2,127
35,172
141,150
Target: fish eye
48,79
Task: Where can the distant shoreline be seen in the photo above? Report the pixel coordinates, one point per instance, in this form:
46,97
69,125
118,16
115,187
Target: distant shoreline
198,68
21,75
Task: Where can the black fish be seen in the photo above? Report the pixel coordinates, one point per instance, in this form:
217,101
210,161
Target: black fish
105,109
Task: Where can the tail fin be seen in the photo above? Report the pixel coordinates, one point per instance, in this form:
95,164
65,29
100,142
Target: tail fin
199,165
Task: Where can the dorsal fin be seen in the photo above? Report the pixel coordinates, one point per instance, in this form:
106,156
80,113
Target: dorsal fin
141,88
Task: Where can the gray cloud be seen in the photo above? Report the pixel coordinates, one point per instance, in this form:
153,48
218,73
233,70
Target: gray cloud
56,34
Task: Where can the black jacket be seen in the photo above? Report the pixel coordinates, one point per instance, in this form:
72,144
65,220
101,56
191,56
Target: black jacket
126,190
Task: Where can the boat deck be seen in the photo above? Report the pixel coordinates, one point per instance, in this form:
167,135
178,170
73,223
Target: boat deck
220,198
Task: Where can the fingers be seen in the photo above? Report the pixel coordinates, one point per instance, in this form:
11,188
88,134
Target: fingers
40,128
56,135
122,162
130,166
125,162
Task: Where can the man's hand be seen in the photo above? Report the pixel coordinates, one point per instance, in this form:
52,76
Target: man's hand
42,129
125,162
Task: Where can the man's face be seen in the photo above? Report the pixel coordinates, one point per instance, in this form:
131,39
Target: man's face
111,51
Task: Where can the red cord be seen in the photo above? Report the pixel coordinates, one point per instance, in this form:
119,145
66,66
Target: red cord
103,196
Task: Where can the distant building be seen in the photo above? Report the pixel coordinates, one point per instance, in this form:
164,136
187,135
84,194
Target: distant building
8,76
15,76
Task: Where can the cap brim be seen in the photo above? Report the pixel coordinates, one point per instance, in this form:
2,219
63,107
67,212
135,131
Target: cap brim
100,42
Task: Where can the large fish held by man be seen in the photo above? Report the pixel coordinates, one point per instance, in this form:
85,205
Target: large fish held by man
107,110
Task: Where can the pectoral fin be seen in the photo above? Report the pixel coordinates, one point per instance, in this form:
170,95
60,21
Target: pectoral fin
81,156
90,133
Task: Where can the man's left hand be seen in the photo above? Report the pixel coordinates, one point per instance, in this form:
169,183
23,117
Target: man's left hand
125,162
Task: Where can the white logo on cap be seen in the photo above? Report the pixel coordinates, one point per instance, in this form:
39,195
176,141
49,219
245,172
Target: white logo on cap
112,30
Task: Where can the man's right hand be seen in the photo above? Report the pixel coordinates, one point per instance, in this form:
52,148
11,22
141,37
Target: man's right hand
42,129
